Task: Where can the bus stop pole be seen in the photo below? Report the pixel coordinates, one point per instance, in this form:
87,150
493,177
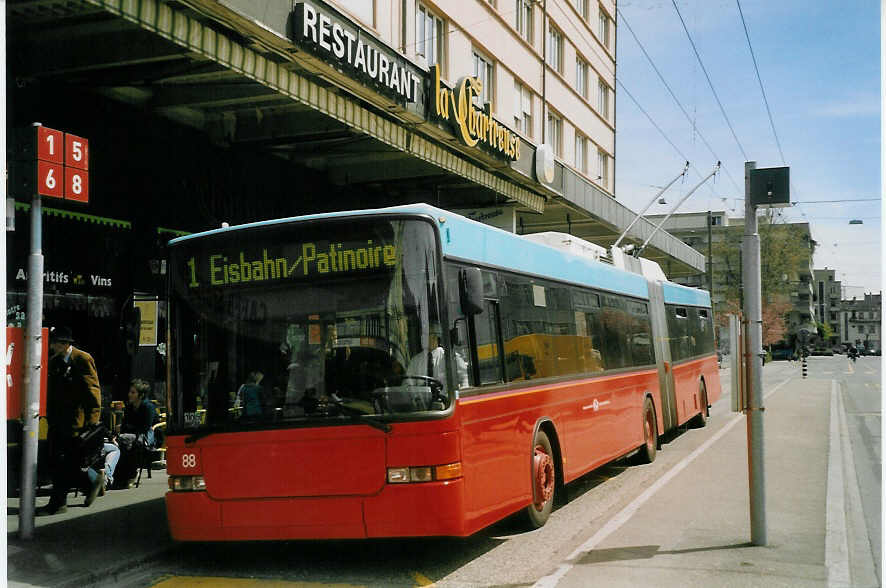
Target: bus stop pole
753,313
33,361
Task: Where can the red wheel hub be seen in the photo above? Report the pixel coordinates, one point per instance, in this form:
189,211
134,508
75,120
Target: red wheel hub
543,467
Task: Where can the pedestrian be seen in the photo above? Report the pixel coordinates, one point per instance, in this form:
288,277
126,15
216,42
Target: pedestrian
73,409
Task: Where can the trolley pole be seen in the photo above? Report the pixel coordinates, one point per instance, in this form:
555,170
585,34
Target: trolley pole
753,314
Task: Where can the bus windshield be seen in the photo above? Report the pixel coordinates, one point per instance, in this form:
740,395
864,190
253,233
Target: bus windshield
284,325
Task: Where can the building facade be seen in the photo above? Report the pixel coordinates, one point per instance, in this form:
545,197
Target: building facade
828,297
861,322
202,112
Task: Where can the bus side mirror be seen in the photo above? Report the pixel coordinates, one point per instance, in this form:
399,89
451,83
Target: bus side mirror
470,285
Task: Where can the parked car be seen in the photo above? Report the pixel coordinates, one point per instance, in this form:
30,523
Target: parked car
782,353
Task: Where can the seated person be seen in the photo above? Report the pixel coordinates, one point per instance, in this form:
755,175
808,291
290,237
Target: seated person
139,414
136,432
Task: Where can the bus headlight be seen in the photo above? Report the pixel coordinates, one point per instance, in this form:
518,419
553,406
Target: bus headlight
187,483
406,475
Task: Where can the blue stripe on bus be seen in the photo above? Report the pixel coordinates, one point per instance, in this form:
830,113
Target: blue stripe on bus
467,239
677,294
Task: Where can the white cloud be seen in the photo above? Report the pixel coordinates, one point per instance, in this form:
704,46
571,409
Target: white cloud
849,107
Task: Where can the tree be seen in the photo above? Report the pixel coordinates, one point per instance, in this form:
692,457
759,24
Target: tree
773,313
785,251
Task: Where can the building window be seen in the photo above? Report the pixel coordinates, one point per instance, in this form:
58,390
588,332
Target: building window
555,133
522,109
603,98
582,7
603,168
429,36
603,27
581,153
484,71
716,221
524,19
581,76
555,49
365,11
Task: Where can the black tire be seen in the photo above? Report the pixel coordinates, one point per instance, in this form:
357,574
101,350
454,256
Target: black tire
543,481
650,434
701,419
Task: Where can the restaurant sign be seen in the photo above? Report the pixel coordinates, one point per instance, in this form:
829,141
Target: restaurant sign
471,124
329,35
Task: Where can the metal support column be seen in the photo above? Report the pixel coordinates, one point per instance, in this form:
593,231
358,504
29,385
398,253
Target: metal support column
33,362
753,314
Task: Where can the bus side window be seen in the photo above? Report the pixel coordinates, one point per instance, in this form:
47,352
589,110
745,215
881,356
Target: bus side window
489,360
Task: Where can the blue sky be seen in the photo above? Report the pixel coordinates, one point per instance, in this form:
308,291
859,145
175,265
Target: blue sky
820,67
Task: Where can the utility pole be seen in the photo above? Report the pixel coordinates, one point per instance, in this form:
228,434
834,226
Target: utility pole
754,354
33,363
768,188
710,255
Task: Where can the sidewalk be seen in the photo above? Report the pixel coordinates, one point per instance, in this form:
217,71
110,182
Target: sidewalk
84,545
692,527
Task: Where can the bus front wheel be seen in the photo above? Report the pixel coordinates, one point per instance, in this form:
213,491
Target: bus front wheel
543,481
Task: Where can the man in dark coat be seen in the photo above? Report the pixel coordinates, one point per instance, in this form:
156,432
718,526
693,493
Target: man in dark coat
73,404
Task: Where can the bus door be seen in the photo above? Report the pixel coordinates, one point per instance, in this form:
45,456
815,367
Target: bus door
663,356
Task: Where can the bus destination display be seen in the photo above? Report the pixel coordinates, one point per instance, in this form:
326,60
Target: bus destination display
288,262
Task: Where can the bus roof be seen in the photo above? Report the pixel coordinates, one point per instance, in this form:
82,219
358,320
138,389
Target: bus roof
679,294
473,241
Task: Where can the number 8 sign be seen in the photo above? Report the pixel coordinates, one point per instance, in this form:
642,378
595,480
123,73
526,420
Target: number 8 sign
76,184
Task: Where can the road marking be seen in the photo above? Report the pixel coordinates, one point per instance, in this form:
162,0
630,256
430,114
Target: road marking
836,552
551,580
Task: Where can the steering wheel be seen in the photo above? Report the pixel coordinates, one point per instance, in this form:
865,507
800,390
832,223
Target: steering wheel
433,383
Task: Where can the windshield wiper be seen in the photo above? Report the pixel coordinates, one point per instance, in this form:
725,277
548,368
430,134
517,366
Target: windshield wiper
358,416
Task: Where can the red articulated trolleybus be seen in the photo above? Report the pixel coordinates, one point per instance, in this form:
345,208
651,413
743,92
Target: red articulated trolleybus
408,372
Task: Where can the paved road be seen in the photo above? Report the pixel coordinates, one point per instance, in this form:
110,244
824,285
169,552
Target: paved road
860,384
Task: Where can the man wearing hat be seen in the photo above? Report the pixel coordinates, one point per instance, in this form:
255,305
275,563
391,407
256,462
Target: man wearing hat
73,403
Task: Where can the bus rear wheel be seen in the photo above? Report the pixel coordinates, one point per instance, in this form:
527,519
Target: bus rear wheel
701,419
543,481
650,434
